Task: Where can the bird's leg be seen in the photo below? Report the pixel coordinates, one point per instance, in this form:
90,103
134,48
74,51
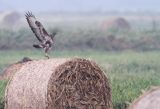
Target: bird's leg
46,55
46,52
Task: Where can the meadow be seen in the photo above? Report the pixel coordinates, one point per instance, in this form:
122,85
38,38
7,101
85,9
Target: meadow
130,73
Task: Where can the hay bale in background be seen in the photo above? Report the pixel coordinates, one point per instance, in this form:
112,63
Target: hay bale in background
59,84
149,100
118,23
11,69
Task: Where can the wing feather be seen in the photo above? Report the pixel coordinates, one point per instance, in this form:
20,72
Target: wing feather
37,30
45,32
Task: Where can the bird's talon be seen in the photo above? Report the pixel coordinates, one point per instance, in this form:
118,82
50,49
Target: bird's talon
46,55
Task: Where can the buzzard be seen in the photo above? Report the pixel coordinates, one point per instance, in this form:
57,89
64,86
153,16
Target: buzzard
45,39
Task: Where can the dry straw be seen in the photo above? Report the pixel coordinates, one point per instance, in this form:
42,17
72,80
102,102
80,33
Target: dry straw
149,100
59,84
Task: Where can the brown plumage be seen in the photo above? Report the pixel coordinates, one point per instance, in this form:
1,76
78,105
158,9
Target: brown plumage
45,39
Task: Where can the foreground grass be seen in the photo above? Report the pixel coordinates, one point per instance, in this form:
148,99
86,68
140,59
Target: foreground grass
3,85
130,73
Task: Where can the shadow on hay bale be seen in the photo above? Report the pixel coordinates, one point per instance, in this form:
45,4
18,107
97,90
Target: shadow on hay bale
149,100
11,69
59,84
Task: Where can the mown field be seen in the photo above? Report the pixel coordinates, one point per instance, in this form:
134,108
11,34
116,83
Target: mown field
130,73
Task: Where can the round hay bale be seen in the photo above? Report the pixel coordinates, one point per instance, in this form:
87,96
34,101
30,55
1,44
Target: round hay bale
149,100
119,23
59,84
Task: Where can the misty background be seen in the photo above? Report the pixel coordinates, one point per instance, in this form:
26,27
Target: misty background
106,25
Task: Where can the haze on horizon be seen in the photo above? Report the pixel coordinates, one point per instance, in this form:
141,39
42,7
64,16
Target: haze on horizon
80,5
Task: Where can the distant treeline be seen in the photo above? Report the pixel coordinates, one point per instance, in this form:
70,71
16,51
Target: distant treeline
84,33
85,39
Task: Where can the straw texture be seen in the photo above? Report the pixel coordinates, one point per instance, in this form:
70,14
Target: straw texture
58,84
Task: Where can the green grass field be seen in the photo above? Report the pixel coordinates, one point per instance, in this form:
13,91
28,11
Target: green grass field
130,73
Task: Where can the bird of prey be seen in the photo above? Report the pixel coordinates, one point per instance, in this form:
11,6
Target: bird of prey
45,39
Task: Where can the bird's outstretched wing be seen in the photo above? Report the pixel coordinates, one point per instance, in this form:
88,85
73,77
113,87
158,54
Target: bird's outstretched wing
36,27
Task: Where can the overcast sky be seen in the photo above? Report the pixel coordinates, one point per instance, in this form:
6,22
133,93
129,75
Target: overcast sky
80,5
